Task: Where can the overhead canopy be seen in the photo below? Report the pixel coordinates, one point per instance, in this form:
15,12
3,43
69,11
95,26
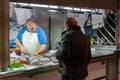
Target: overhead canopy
101,4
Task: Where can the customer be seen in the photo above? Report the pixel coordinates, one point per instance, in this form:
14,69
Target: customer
74,52
31,39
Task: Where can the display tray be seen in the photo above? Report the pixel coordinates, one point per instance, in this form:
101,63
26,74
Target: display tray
26,67
102,50
28,71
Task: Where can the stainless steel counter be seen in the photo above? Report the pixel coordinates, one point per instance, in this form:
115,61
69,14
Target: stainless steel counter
27,72
101,52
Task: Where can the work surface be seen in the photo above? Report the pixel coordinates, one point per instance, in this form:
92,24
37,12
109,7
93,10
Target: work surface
99,53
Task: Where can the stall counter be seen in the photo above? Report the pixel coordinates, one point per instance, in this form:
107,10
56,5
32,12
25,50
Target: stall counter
99,55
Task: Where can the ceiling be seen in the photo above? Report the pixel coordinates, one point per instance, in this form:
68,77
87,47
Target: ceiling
101,4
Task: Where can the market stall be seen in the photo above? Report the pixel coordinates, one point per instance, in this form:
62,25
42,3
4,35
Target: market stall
4,48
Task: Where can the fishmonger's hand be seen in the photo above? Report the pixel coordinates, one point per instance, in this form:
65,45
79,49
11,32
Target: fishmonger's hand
36,54
23,50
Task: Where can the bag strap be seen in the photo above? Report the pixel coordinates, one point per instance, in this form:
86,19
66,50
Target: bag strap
86,21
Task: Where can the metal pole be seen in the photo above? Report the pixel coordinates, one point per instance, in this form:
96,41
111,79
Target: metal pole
4,34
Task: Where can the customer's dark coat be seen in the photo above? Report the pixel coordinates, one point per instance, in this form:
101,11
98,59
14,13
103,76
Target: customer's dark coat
75,46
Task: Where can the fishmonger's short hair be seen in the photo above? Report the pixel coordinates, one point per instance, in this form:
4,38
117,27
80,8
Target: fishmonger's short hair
31,20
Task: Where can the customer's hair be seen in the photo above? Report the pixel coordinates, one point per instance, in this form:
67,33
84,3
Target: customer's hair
71,22
31,20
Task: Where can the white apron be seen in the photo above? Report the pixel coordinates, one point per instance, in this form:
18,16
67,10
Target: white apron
30,42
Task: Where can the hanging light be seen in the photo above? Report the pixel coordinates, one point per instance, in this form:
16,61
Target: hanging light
38,5
68,8
23,4
76,9
53,7
86,10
